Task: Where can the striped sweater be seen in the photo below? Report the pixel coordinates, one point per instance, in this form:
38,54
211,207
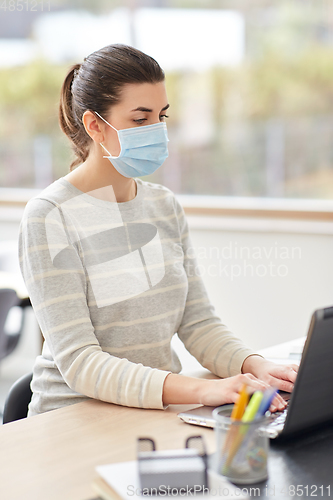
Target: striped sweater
110,284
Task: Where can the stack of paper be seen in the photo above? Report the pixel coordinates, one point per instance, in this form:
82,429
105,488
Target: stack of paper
121,481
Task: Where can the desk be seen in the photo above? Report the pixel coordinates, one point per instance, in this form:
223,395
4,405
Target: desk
52,456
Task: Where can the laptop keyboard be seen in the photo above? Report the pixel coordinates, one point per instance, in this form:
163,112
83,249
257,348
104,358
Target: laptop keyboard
277,420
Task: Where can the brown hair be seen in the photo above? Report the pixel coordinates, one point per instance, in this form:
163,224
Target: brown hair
96,85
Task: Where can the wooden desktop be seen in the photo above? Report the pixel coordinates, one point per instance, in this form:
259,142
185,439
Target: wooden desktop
53,456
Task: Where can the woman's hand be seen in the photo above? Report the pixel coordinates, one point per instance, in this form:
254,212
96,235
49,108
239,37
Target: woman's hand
219,392
280,376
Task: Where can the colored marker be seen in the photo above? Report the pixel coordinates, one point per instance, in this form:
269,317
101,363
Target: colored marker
240,404
253,407
269,395
237,413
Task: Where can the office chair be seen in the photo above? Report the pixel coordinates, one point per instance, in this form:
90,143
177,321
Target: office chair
18,399
9,263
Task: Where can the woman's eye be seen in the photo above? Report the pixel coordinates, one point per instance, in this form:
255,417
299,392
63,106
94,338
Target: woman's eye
163,116
140,120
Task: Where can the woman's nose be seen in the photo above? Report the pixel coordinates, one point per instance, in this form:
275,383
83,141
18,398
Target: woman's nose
153,120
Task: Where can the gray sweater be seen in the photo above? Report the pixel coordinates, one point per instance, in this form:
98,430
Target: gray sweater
110,284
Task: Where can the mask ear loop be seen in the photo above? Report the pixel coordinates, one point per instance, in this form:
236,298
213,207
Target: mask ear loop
110,155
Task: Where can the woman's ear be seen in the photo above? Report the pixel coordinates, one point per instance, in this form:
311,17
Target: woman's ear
93,127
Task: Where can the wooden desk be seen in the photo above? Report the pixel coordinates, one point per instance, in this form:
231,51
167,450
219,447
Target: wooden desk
52,456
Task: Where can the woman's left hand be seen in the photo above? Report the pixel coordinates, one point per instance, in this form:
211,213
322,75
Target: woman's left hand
281,377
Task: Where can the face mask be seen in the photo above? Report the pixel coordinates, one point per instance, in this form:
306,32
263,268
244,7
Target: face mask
142,149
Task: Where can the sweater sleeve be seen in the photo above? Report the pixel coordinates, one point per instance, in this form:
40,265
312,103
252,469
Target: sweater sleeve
201,330
57,285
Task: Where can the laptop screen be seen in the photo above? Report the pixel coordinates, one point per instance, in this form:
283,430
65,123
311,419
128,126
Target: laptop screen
312,398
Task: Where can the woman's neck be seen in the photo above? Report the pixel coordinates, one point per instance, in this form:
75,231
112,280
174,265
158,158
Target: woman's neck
103,182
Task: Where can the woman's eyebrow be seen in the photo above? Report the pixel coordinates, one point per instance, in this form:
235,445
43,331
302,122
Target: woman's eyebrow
147,110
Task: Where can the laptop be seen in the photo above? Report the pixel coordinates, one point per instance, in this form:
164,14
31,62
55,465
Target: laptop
310,405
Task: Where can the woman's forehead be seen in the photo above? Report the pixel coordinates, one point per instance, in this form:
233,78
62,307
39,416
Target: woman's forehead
147,95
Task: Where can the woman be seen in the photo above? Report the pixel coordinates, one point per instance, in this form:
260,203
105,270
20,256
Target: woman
106,259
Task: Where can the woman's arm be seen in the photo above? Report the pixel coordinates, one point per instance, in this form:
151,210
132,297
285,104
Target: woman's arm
201,329
210,341
187,390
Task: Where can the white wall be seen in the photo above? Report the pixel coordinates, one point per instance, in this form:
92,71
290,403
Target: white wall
270,309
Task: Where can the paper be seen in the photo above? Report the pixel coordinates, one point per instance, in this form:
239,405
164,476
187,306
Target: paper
123,478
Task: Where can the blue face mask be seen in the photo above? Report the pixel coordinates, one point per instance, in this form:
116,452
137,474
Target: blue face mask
142,149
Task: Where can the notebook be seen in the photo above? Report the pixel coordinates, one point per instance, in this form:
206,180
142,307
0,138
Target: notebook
120,481
311,402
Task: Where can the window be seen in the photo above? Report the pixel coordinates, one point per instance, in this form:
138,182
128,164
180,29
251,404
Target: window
249,83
